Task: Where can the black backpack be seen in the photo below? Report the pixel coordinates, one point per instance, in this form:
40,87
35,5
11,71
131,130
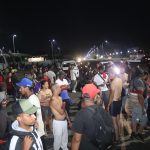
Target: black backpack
104,131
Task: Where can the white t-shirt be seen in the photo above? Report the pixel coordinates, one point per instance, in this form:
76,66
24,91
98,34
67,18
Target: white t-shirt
51,75
98,80
33,99
61,82
73,74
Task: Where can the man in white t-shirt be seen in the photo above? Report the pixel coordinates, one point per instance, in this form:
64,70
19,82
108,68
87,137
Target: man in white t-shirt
26,89
73,76
64,85
101,80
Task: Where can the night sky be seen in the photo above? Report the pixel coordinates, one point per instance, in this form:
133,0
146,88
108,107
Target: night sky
76,26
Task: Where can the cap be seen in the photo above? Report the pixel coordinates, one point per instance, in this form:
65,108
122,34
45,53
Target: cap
90,91
23,106
25,82
2,96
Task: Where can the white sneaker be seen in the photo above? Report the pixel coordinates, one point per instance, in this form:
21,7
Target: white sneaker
73,91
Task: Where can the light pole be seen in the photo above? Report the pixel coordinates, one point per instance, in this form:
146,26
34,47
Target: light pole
14,42
102,46
52,46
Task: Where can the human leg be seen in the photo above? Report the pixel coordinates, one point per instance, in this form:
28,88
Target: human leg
57,132
64,136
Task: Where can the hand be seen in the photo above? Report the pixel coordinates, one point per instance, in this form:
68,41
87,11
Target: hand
70,124
107,108
27,142
36,125
63,105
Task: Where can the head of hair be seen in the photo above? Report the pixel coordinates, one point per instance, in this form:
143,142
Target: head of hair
54,86
42,83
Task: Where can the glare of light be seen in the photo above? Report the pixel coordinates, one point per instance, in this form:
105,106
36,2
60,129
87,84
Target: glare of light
79,59
14,35
110,54
116,53
120,52
134,50
116,70
106,41
102,56
84,58
96,55
128,51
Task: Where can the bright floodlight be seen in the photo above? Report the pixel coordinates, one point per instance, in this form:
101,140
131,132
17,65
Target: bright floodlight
116,70
78,59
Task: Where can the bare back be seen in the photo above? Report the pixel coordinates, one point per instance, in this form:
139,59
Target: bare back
116,88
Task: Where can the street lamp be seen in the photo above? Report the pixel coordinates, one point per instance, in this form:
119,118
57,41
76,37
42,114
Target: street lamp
52,46
105,42
14,42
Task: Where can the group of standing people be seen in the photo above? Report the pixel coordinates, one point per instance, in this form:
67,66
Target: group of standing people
47,109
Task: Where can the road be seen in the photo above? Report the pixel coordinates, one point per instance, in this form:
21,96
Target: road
126,144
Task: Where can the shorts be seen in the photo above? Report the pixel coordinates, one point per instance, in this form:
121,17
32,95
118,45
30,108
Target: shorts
46,112
131,102
115,108
138,117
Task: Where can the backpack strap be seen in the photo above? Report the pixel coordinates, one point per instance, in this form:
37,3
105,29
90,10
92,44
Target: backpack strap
101,77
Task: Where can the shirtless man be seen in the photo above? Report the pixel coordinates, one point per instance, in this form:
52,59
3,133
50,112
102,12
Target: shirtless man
114,105
60,129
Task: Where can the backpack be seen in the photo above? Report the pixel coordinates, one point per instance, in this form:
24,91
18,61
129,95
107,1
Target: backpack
104,130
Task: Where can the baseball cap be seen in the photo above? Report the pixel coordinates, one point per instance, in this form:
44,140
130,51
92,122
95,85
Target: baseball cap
24,82
2,96
23,106
90,91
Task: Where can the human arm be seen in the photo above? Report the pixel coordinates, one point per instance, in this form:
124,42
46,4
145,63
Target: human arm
141,101
64,87
68,119
140,88
27,143
111,95
76,141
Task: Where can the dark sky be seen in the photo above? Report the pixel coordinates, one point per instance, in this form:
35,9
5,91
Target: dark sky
75,25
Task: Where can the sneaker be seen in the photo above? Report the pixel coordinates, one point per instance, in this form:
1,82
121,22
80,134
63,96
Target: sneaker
73,91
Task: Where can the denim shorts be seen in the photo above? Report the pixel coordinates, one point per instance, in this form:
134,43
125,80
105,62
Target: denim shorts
46,112
138,117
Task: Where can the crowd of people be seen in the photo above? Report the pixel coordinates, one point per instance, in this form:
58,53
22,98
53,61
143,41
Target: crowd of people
42,105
